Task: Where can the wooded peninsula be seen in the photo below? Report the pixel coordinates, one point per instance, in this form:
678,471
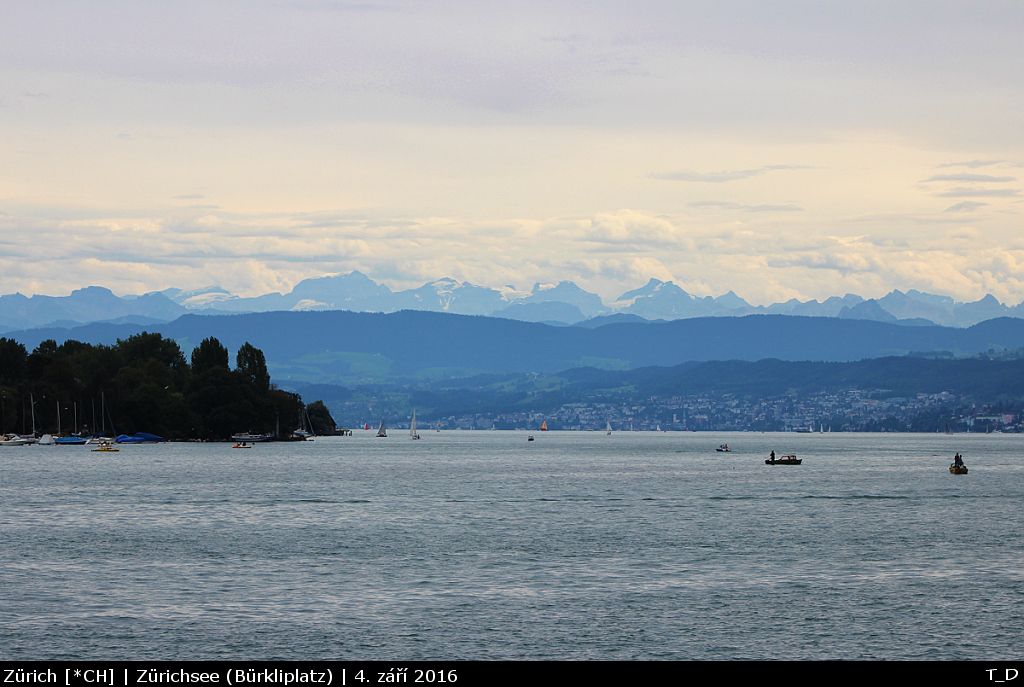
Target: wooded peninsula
143,383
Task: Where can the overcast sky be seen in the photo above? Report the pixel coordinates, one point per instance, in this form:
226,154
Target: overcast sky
779,149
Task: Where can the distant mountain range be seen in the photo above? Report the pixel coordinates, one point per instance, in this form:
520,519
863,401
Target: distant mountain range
341,347
563,303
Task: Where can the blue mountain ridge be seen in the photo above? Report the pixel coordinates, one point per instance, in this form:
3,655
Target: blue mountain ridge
352,348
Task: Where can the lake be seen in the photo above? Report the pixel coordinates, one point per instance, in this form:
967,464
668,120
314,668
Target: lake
481,545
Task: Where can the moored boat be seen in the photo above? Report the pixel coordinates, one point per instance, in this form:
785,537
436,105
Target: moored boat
139,438
248,437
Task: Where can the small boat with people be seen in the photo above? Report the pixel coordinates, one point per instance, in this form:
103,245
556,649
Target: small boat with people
723,448
106,447
957,467
242,444
788,459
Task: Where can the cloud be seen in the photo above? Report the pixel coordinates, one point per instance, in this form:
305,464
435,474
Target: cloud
764,258
630,228
970,178
726,205
964,192
723,176
973,164
965,206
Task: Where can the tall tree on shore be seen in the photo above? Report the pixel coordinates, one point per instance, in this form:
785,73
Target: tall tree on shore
252,365
320,418
210,354
13,362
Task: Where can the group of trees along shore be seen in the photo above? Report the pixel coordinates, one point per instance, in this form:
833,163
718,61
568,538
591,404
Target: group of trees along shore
145,384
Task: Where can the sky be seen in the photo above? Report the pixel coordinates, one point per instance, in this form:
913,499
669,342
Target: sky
784,149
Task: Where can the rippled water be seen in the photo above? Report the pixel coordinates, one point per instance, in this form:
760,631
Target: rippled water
482,545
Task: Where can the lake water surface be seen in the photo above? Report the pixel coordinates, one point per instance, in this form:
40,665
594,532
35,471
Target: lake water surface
481,545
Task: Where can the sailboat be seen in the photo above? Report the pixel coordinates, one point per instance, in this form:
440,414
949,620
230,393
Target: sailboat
382,431
608,428
544,426
412,426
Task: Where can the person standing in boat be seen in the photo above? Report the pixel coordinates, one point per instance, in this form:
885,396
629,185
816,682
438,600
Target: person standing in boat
773,455
958,460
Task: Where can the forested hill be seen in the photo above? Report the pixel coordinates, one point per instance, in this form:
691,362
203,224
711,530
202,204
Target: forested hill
971,382
350,348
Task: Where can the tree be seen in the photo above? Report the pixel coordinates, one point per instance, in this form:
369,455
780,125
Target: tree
210,354
320,418
13,362
253,367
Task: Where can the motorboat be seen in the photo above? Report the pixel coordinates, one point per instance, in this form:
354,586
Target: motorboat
957,469
789,459
247,437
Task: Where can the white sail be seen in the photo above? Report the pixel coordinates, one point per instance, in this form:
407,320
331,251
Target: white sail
412,426
382,431
608,428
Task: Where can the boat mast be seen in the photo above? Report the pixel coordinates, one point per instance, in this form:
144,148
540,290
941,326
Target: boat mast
58,418
32,407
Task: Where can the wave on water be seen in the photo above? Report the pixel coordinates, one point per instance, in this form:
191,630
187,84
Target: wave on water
796,497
